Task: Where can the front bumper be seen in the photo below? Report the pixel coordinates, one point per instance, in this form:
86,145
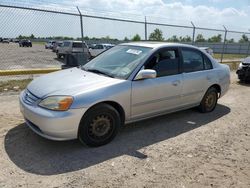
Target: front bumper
244,73
53,125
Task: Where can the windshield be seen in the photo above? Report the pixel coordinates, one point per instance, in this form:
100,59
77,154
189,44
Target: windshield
119,61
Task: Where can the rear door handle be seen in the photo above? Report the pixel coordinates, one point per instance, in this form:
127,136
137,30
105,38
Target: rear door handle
176,82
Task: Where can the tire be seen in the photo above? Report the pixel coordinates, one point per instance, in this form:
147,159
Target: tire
99,125
59,56
209,100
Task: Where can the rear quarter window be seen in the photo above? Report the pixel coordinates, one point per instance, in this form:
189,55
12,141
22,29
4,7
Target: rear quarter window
207,63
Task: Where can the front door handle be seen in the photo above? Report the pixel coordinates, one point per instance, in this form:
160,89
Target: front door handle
176,82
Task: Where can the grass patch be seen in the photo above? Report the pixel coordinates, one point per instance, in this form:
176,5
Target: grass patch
14,85
230,56
232,65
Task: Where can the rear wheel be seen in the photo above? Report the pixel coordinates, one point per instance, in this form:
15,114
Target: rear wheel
209,101
99,125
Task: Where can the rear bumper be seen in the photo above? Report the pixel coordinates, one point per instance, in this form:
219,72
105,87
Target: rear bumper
49,124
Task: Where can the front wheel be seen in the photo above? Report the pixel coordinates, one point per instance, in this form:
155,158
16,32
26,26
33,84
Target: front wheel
99,125
209,101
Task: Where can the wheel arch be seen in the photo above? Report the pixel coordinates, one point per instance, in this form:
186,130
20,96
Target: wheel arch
115,105
217,87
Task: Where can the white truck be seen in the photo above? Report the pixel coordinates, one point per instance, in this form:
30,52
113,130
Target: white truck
69,47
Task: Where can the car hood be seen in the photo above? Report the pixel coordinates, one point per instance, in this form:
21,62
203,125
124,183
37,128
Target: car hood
69,82
246,61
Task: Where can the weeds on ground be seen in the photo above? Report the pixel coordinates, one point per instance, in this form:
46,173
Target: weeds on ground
14,85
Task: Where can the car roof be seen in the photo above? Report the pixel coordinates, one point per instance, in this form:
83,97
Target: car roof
107,44
204,48
155,45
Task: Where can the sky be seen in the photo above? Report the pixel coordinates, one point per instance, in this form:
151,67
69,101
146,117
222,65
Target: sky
234,14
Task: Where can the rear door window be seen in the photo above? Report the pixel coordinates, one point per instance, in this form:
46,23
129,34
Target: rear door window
192,60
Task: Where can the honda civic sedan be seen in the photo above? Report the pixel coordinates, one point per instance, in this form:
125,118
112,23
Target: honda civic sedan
127,83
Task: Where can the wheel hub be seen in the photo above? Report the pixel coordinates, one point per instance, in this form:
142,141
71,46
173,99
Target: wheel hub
210,100
100,126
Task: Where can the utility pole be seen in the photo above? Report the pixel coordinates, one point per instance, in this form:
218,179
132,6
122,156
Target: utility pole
224,43
81,28
193,33
146,29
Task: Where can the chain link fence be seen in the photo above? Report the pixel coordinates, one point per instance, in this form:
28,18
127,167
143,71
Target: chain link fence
40,25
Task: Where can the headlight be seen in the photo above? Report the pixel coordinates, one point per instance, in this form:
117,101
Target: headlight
240,66
57,103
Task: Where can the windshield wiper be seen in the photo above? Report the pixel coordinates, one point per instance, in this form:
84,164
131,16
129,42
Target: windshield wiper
99,72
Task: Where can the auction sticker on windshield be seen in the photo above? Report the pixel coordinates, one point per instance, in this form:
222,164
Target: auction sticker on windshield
133,51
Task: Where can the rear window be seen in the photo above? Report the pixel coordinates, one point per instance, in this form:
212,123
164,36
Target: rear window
78,45
66,44
99,47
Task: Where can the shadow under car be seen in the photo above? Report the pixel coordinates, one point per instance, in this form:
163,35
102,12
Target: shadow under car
34,154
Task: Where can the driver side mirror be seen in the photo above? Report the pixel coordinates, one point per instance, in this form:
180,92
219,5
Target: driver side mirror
145,74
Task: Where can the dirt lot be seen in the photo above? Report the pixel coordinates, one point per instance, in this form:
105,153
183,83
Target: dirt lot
184,149
14,57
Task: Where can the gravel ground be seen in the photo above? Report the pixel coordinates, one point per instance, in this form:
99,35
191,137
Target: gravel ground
14,57
184,149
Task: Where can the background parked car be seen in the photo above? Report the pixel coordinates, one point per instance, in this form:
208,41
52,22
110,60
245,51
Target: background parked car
91,45
6,41
25,43
15,40
49,45
207,50
243,71
56,45
99,48
69,47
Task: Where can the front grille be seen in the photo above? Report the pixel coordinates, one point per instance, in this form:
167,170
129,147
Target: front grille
246,68
29,98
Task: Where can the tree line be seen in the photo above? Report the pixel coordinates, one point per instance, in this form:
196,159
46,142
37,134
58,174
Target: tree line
156,35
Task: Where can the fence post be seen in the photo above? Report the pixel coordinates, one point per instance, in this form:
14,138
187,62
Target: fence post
81,28
225,38
146,29
248,48
193,40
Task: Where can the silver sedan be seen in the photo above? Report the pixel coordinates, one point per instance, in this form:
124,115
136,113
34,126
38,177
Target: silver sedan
127,83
